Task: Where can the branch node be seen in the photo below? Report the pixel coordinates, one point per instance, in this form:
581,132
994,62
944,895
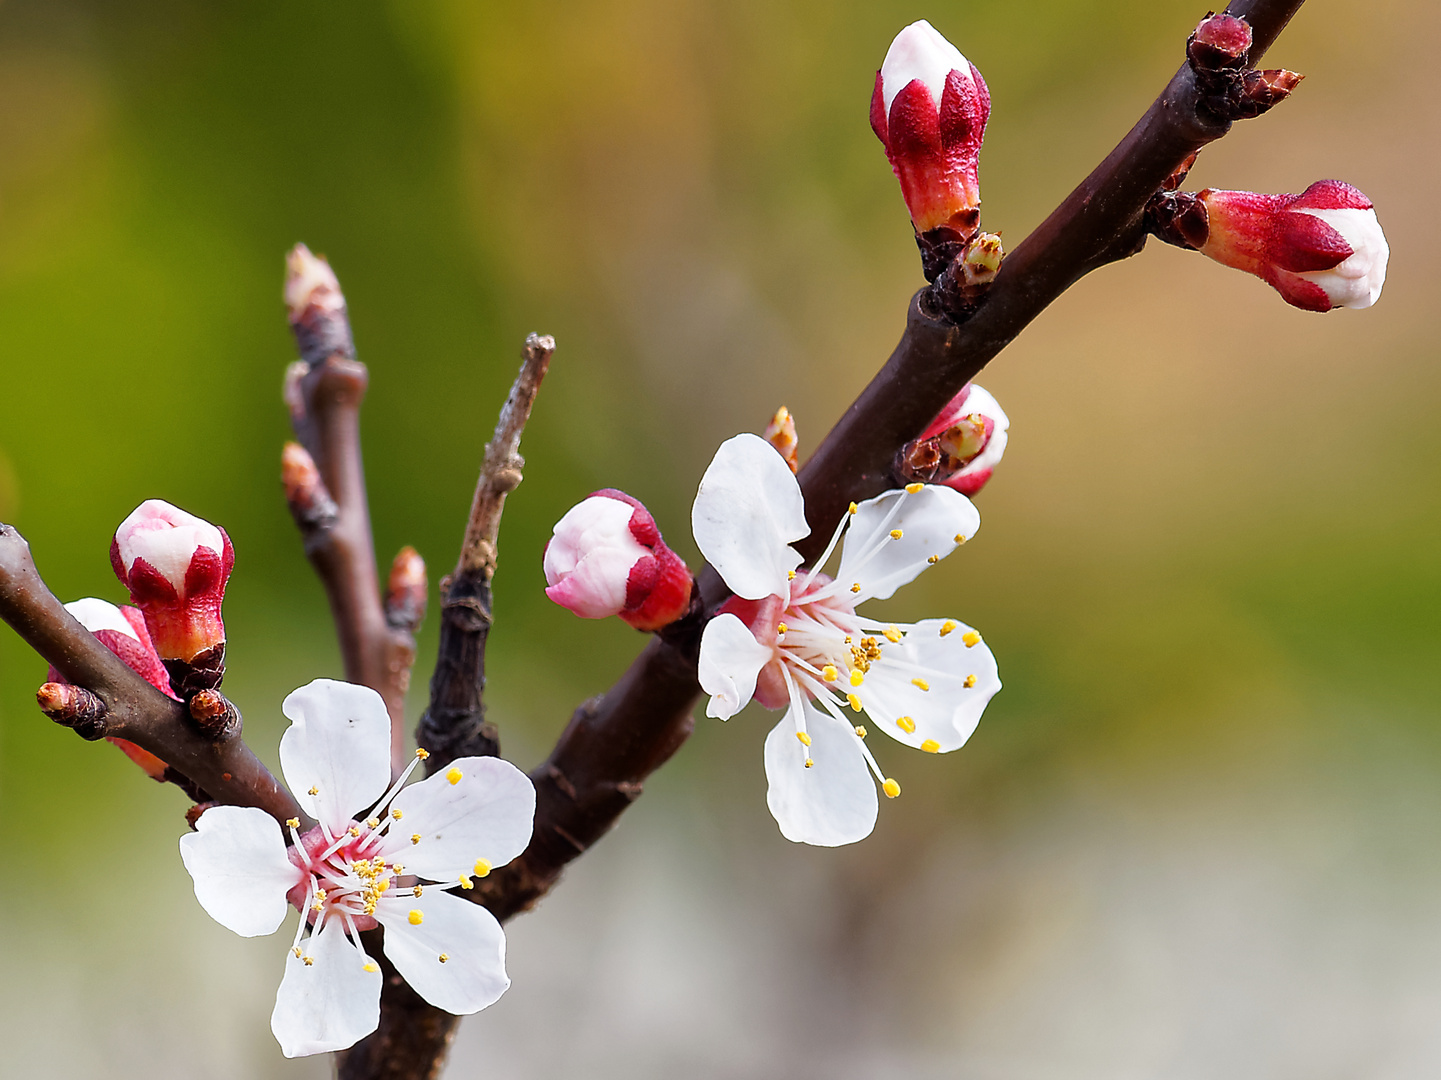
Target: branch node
74,707
215,715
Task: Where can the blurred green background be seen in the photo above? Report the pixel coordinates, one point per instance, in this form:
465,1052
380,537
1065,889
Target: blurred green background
1195,836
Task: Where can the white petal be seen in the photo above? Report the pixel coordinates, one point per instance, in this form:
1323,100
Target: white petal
834,801
746,514
487,813
1357,281
929,522
730,661
96,615
920,52
338,743
473,974
236,855
329,1004
167,538
948,711
980,400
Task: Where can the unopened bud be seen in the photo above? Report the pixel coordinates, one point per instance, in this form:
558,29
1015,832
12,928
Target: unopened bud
316,307
305,492
929,109
962,446
406,591
982,262
1321,249
215,715
176,566
1219,41
74,707
606,557
781,433
122,630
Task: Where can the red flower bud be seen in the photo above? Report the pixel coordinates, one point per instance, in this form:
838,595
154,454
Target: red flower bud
929,109
175,566
1321,249
606,557
962,446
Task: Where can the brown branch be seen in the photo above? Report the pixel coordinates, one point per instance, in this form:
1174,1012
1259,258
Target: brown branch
324,392
454,725
223,767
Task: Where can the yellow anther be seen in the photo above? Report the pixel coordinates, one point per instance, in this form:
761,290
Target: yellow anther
960,538
292,823
913,488
781,628
415,838
856,587
318,905
482,867
297,952
353,831
933,559
860,731
790,575
891,788
920,684
382,884
417,891
930,746
314,791
371,968
309,961
809,763
454,776
804,738
970,682
444,957
854,508
896,534
465,882
416,917
855,702
948,626
857,678
372,823
906,724
422,753
398,869
971,638
829,673
893,633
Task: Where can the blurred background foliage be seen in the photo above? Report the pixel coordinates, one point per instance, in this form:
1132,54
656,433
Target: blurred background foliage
1194,836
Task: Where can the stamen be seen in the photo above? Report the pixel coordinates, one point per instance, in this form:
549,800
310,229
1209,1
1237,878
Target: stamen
314,790
930,746
856,587
444,957
969,682
370,967
853,508
860,731
857,678
914,488
906,724
781,628
891,788
829,673
804,738
896,534
454,776
372,823
893,633
971,638
482,867
809,763
292,823
417,891
422,753
960,538
415,838
465,882
309,961
790,575
920,684
948,626
396,814
416,917
855,702
933,559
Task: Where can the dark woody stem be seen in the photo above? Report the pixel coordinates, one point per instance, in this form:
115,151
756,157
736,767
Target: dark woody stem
223,767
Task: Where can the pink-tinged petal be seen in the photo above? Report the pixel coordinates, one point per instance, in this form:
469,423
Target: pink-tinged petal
329,1004
834,801
96,615
730,660
928,523
166,537
453,955
477,808
929,689
236,856
337,745
1357,281
746,514
919,52
589,558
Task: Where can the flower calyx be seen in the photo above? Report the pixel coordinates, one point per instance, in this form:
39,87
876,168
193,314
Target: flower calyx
961,447
607,557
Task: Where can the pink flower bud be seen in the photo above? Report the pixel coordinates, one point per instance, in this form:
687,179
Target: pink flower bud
123,632
607,558
962,446
929,109
175,566
1321,249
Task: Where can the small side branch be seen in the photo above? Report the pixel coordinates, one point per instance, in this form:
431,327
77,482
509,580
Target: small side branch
454,725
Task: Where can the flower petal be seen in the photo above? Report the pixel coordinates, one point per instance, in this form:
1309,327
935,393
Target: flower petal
748,510
472,975
236,855
332,1002
730,661
338,744
941,717
834,801
478,808
929,522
